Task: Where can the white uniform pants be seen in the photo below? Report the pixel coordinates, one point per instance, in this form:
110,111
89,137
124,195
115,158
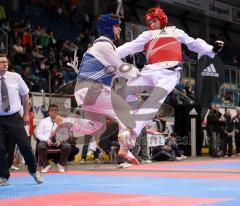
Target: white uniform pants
159,83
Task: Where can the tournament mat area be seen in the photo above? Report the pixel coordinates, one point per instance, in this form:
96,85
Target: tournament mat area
195,181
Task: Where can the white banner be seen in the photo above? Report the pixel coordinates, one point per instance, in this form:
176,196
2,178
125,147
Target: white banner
39,106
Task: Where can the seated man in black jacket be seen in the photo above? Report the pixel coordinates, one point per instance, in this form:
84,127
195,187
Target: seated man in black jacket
169,151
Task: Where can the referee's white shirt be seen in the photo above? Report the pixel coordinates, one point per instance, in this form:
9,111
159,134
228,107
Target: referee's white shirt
16,88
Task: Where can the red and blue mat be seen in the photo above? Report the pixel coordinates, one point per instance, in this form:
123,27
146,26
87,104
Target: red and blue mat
192,182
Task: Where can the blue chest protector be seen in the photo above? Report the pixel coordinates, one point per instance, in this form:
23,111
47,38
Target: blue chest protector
92,69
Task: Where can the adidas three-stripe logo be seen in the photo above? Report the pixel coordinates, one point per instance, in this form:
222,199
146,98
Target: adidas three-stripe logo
210,71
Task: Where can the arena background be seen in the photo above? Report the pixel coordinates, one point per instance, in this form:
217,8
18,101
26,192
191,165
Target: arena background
65,26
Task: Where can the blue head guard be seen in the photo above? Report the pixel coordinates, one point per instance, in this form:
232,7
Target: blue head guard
105,25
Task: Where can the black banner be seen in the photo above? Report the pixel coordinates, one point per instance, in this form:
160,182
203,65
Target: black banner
209,78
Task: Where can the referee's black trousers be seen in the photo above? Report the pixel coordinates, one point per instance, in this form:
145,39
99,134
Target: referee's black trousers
14,126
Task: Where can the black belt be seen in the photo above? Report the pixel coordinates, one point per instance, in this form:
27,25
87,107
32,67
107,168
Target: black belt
175,67
10,115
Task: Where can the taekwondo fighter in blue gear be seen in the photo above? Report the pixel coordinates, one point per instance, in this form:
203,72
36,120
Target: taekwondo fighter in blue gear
93,93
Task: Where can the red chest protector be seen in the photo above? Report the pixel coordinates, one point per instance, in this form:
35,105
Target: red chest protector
163,47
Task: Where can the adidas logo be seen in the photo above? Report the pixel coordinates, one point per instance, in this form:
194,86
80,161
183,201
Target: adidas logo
210,71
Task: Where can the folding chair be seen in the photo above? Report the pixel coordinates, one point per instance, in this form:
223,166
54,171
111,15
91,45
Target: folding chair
49,151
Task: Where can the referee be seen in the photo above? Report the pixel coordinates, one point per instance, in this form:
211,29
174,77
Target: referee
14,95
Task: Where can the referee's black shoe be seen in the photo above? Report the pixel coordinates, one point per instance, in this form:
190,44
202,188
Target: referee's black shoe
3,182
37,177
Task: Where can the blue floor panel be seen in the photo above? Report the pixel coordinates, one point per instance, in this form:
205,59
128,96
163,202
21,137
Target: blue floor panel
189,187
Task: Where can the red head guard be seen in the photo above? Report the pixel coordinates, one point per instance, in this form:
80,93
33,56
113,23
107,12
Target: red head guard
159,13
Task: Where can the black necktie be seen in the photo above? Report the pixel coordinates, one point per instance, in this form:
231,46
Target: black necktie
53,122
4,94
54,137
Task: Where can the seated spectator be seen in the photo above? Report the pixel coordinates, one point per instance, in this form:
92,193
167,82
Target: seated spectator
169,151
18,52
68,75
27,39
32,83
37,52
46,134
